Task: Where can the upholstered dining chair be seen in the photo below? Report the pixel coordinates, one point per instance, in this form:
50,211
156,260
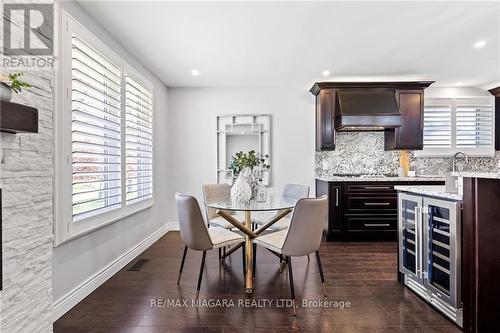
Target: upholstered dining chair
213,193
195,234
291,192
301,238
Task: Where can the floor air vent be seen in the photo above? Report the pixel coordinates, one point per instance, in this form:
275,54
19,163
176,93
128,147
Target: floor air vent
138,265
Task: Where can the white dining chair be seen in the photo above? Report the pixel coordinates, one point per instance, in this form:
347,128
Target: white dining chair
195,234
292,193
217,193
301,238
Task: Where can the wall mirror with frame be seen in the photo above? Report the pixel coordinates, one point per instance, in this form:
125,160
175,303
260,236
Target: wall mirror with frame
243,132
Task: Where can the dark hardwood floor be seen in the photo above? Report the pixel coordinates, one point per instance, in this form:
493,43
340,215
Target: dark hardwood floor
360,273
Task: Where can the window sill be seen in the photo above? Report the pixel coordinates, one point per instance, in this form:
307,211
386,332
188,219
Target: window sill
451,152
134,209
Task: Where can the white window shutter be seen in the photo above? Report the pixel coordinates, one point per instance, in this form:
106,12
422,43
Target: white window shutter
474,121
96,131
139,140
437,123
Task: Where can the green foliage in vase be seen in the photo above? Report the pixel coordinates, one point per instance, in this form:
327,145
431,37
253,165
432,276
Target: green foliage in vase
241,160
16,84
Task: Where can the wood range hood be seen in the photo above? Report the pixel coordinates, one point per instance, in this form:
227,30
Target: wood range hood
367,106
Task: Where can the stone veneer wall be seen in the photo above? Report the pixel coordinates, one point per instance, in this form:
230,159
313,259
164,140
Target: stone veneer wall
363,152
26,175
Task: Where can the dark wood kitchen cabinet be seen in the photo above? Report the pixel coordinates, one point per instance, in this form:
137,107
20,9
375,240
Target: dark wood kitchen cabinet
362,210
333,192
496,92
410,99
410,135
480,255
325,118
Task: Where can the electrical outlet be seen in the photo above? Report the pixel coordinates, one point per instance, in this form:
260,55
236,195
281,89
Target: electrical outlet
324,165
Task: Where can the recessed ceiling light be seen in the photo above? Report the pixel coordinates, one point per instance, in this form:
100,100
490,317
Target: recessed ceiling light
458,83
326,73
479,44
195,72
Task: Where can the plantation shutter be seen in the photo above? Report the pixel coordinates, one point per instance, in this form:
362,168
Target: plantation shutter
139,140
96,131
474,123
438,123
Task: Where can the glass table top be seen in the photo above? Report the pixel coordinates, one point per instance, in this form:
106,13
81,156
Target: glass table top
272,203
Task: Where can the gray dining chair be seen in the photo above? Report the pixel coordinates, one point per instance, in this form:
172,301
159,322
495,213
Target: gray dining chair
292,193
214,193
301,238
195,234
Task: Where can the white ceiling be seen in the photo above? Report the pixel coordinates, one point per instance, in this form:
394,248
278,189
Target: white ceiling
291,43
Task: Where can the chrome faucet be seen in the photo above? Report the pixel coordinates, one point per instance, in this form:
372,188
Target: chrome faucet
464,155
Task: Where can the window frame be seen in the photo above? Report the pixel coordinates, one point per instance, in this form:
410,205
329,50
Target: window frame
450,151
65,229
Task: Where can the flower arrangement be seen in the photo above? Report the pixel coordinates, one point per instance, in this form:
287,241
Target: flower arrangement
242,160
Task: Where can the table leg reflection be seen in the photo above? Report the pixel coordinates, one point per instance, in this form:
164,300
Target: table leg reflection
249,255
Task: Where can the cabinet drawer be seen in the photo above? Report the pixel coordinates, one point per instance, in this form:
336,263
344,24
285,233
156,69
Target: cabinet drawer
379,203
371,188
367,223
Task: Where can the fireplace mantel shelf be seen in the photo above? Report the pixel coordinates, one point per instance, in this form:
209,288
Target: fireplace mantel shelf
18,118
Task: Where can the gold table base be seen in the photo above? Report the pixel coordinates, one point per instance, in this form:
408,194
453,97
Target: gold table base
246,228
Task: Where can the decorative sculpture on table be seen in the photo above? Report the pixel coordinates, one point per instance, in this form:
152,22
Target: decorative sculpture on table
248,167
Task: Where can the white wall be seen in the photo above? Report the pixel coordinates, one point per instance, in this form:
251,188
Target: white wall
192,126
451,92
76,261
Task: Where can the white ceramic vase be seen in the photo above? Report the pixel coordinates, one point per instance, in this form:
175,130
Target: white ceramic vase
241,190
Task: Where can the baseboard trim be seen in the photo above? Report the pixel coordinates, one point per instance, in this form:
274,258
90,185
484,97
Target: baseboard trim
173,226
68,301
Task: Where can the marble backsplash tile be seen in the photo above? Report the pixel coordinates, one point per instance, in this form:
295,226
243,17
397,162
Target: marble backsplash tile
363,152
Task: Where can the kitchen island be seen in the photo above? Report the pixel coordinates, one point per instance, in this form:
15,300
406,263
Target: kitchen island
476,268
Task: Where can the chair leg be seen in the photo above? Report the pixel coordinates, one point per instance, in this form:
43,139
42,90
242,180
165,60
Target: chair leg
220,254
201,273
290,278
308,259
321,272
182,264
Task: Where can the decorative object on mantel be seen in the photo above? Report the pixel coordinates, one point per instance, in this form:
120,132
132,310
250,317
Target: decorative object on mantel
11,83
249,168
242,132
18,118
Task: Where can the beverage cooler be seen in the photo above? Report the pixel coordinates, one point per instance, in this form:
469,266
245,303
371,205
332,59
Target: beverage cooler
429,251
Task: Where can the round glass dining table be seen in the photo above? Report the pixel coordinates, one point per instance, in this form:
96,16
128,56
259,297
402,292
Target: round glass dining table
282,205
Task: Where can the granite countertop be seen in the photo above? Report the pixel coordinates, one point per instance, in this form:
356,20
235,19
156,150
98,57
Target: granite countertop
433,191
380,179
492,175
